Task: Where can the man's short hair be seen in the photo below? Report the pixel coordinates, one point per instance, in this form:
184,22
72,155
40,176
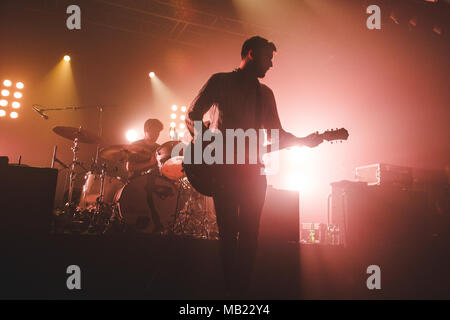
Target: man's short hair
153,124
256,43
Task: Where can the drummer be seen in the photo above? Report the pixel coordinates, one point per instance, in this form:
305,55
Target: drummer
152,129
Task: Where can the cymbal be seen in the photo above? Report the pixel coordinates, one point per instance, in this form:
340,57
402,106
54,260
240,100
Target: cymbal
72,133
126,152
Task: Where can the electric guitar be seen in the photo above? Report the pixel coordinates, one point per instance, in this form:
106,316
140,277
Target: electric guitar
205,178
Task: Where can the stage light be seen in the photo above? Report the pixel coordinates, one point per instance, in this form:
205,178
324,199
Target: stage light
172,125
3,103
16,105
183,109
182,125
5,93
7,83
183,117
2,113
17,95
437,30
66,58
19,85
151,74
173,116
174,107
181,134
132,135
14,115
172,133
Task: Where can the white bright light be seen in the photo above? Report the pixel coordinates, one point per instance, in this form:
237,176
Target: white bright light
172,133
16,105
183,109
5,92
172,124
181,134
183,117
174,107
19,85
17,95
173,116
132,135
14,115
66,58
151,74
182,125
7,83
3,103
2,113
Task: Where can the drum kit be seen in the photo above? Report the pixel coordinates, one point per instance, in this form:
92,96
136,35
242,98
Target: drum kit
156,200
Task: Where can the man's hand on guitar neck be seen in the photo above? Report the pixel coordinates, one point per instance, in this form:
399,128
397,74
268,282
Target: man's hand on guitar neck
312,140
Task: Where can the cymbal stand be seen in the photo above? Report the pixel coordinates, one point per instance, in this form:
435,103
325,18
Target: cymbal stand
72,174
102,186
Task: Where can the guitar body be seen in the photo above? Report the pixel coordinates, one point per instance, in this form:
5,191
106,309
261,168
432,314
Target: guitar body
203,177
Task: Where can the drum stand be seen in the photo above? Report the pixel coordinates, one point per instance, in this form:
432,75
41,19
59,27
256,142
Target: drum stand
100,218
191,219
71,205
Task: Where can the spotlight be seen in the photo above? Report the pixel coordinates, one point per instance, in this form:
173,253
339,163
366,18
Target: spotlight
132,135
182,125
3,103
17,95
16,105
182,117
172,124
5,93
183,109
173,116
14,115
174,107
19,85
151,74
2,113
7,83
67,58
437,30
181,134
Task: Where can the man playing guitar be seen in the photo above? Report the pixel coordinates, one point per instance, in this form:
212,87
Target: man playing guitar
240,101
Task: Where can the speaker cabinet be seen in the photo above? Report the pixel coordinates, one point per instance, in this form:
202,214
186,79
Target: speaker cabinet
26,199
280,221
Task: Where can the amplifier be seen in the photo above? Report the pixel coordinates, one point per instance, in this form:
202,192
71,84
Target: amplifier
280,218
385,174
377,215
26,199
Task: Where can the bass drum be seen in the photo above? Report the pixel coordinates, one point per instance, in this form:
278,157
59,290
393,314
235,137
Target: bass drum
133,207
91,190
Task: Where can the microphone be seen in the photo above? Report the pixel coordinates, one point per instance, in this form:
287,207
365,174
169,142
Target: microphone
42,114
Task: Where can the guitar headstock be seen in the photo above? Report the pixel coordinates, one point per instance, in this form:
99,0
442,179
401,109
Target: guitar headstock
335,134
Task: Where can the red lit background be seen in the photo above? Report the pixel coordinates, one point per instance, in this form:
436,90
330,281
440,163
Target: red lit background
388,87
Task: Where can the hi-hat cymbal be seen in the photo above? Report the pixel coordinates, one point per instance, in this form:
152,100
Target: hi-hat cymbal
73,133
126,152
